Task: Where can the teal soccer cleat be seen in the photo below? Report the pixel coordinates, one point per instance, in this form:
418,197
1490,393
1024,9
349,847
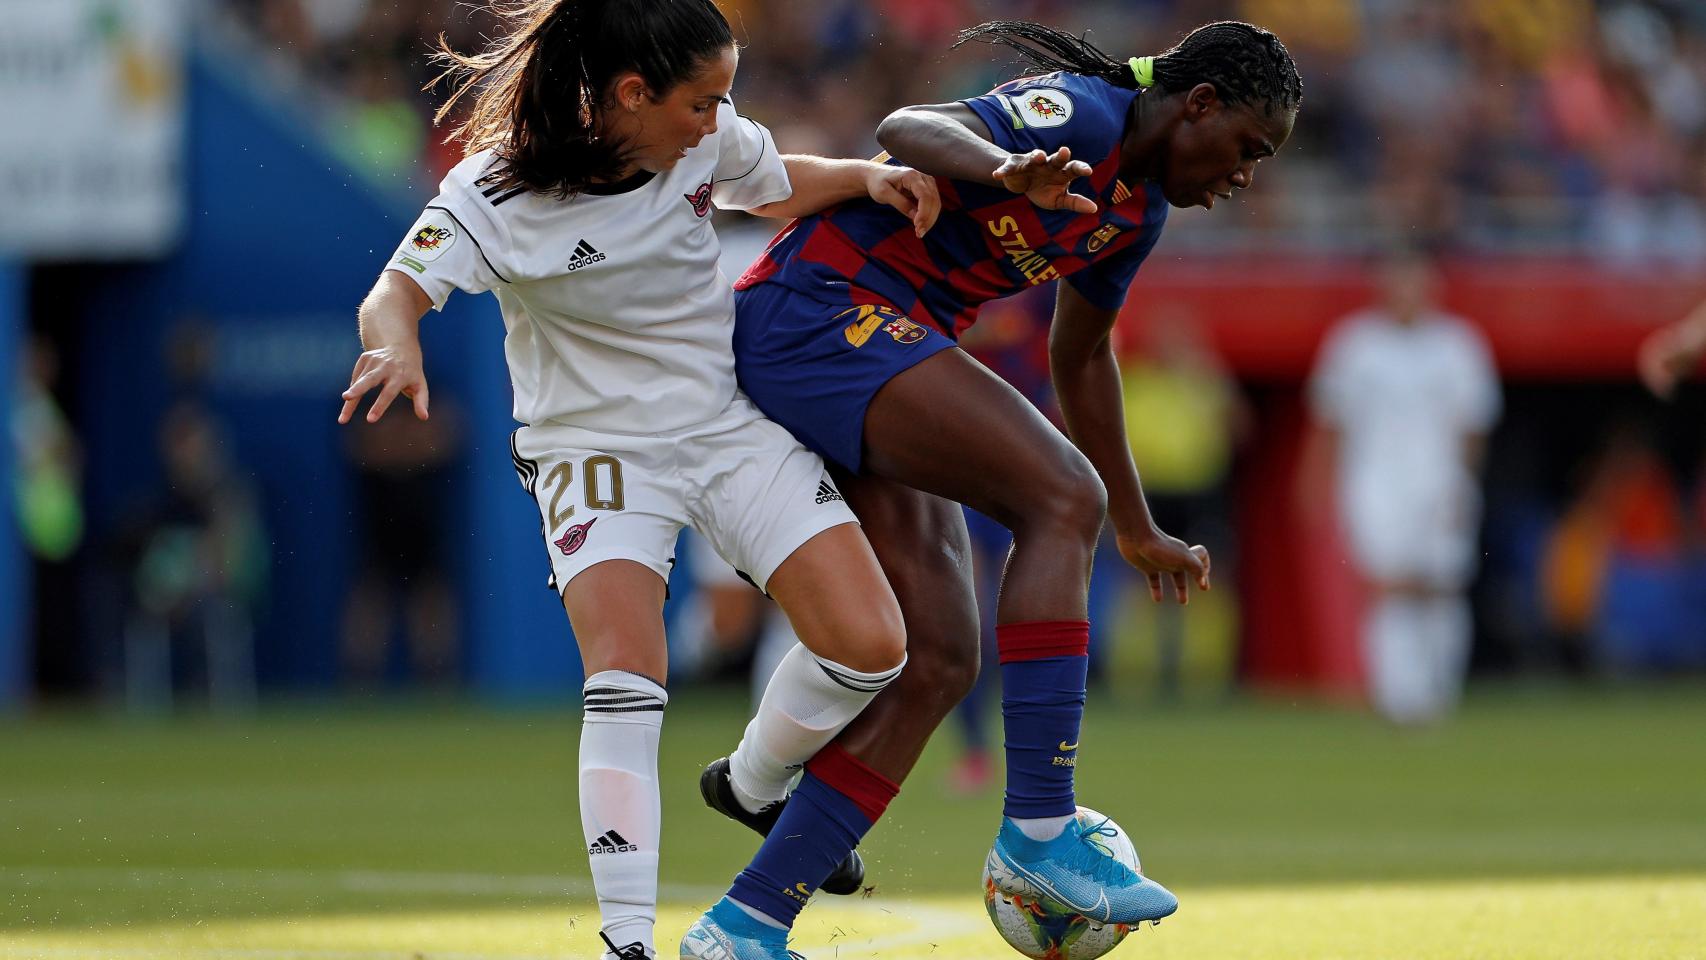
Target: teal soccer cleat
1076,871
726,932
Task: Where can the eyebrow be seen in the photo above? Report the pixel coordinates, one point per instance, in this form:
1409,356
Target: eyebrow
1267,148
720,98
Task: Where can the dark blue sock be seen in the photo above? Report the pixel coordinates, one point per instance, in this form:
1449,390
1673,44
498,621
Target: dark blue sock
1042,706
817,829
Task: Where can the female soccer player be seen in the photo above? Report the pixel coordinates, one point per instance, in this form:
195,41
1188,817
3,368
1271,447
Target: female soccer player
600,135
846,333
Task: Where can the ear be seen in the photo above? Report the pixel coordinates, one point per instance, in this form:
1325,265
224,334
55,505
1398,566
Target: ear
1200,101
628,90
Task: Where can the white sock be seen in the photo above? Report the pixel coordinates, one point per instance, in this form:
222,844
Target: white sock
809,701
1042,828
1401,666
621,814
1452,628
774,642
759,915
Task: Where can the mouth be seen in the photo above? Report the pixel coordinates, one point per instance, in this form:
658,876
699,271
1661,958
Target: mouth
1208,198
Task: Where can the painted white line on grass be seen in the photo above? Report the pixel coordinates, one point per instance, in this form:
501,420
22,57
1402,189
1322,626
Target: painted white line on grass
928,924
931,925
353,881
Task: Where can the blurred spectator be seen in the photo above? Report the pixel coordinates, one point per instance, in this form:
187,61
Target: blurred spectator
402,472
49,503
50,461
1404,396
1619,574
197,567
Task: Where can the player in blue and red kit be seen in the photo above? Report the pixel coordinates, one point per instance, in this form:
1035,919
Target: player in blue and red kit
846,333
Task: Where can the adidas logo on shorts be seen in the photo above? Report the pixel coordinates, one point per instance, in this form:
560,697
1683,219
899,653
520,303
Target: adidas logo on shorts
826,493
585,255
611,842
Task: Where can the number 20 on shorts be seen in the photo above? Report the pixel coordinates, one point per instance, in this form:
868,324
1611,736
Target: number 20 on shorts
601,476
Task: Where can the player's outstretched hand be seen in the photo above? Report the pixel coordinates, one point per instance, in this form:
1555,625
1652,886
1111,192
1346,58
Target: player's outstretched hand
1044,179
908,191
1161,556
394,370
1671,353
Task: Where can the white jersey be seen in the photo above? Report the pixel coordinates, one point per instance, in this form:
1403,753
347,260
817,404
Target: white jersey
618,317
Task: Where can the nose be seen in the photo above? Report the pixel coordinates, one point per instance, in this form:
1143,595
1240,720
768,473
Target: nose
1244,175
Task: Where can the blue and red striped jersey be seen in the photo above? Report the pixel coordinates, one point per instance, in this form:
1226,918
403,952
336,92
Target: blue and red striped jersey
988,242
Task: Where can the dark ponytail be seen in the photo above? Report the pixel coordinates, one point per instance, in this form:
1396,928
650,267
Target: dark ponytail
1245,63
539,91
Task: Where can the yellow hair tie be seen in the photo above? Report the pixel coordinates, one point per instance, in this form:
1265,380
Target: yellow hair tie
1143,68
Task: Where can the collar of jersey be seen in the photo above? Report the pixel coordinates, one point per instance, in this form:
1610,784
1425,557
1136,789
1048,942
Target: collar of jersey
626,185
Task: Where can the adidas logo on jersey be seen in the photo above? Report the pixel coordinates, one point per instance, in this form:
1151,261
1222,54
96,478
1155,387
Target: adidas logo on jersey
826,493
585,255
611,842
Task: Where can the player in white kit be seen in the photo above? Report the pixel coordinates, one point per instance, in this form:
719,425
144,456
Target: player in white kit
600,136
1404,396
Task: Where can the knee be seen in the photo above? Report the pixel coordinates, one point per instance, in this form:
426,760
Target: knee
935,682
1071,502
878,643
623,651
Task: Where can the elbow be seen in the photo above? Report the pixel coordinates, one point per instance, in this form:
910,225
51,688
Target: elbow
776,209
892,131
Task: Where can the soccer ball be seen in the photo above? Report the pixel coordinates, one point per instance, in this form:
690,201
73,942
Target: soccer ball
1045,930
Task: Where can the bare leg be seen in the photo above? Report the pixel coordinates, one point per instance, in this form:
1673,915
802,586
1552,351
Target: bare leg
921,542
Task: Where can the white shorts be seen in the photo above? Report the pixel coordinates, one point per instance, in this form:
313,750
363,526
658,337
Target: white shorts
741,481
1413,535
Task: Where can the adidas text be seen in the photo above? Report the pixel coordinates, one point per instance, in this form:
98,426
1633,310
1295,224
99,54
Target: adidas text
611,842
826,493
585,255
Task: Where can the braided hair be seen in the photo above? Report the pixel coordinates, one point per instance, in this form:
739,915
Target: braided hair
538,92
1244,63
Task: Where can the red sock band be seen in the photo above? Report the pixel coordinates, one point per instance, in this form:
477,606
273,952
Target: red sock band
1042,639
869,790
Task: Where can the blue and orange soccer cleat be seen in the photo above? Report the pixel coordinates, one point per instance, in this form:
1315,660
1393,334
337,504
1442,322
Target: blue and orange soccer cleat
1077,872
726,932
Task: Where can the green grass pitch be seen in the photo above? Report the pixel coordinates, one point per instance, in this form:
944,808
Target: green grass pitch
1540,824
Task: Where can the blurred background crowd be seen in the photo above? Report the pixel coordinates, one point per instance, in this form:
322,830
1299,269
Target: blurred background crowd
1515,189
1555,125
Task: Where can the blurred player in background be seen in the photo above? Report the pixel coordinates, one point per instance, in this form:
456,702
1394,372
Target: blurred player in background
599,136
1404,396
846,334
728,625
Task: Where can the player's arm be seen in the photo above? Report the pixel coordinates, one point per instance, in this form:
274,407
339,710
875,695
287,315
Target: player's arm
1087,383
950,140
1673,352
390,319
820,183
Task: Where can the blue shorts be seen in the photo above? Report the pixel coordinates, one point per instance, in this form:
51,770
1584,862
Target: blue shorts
813,367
